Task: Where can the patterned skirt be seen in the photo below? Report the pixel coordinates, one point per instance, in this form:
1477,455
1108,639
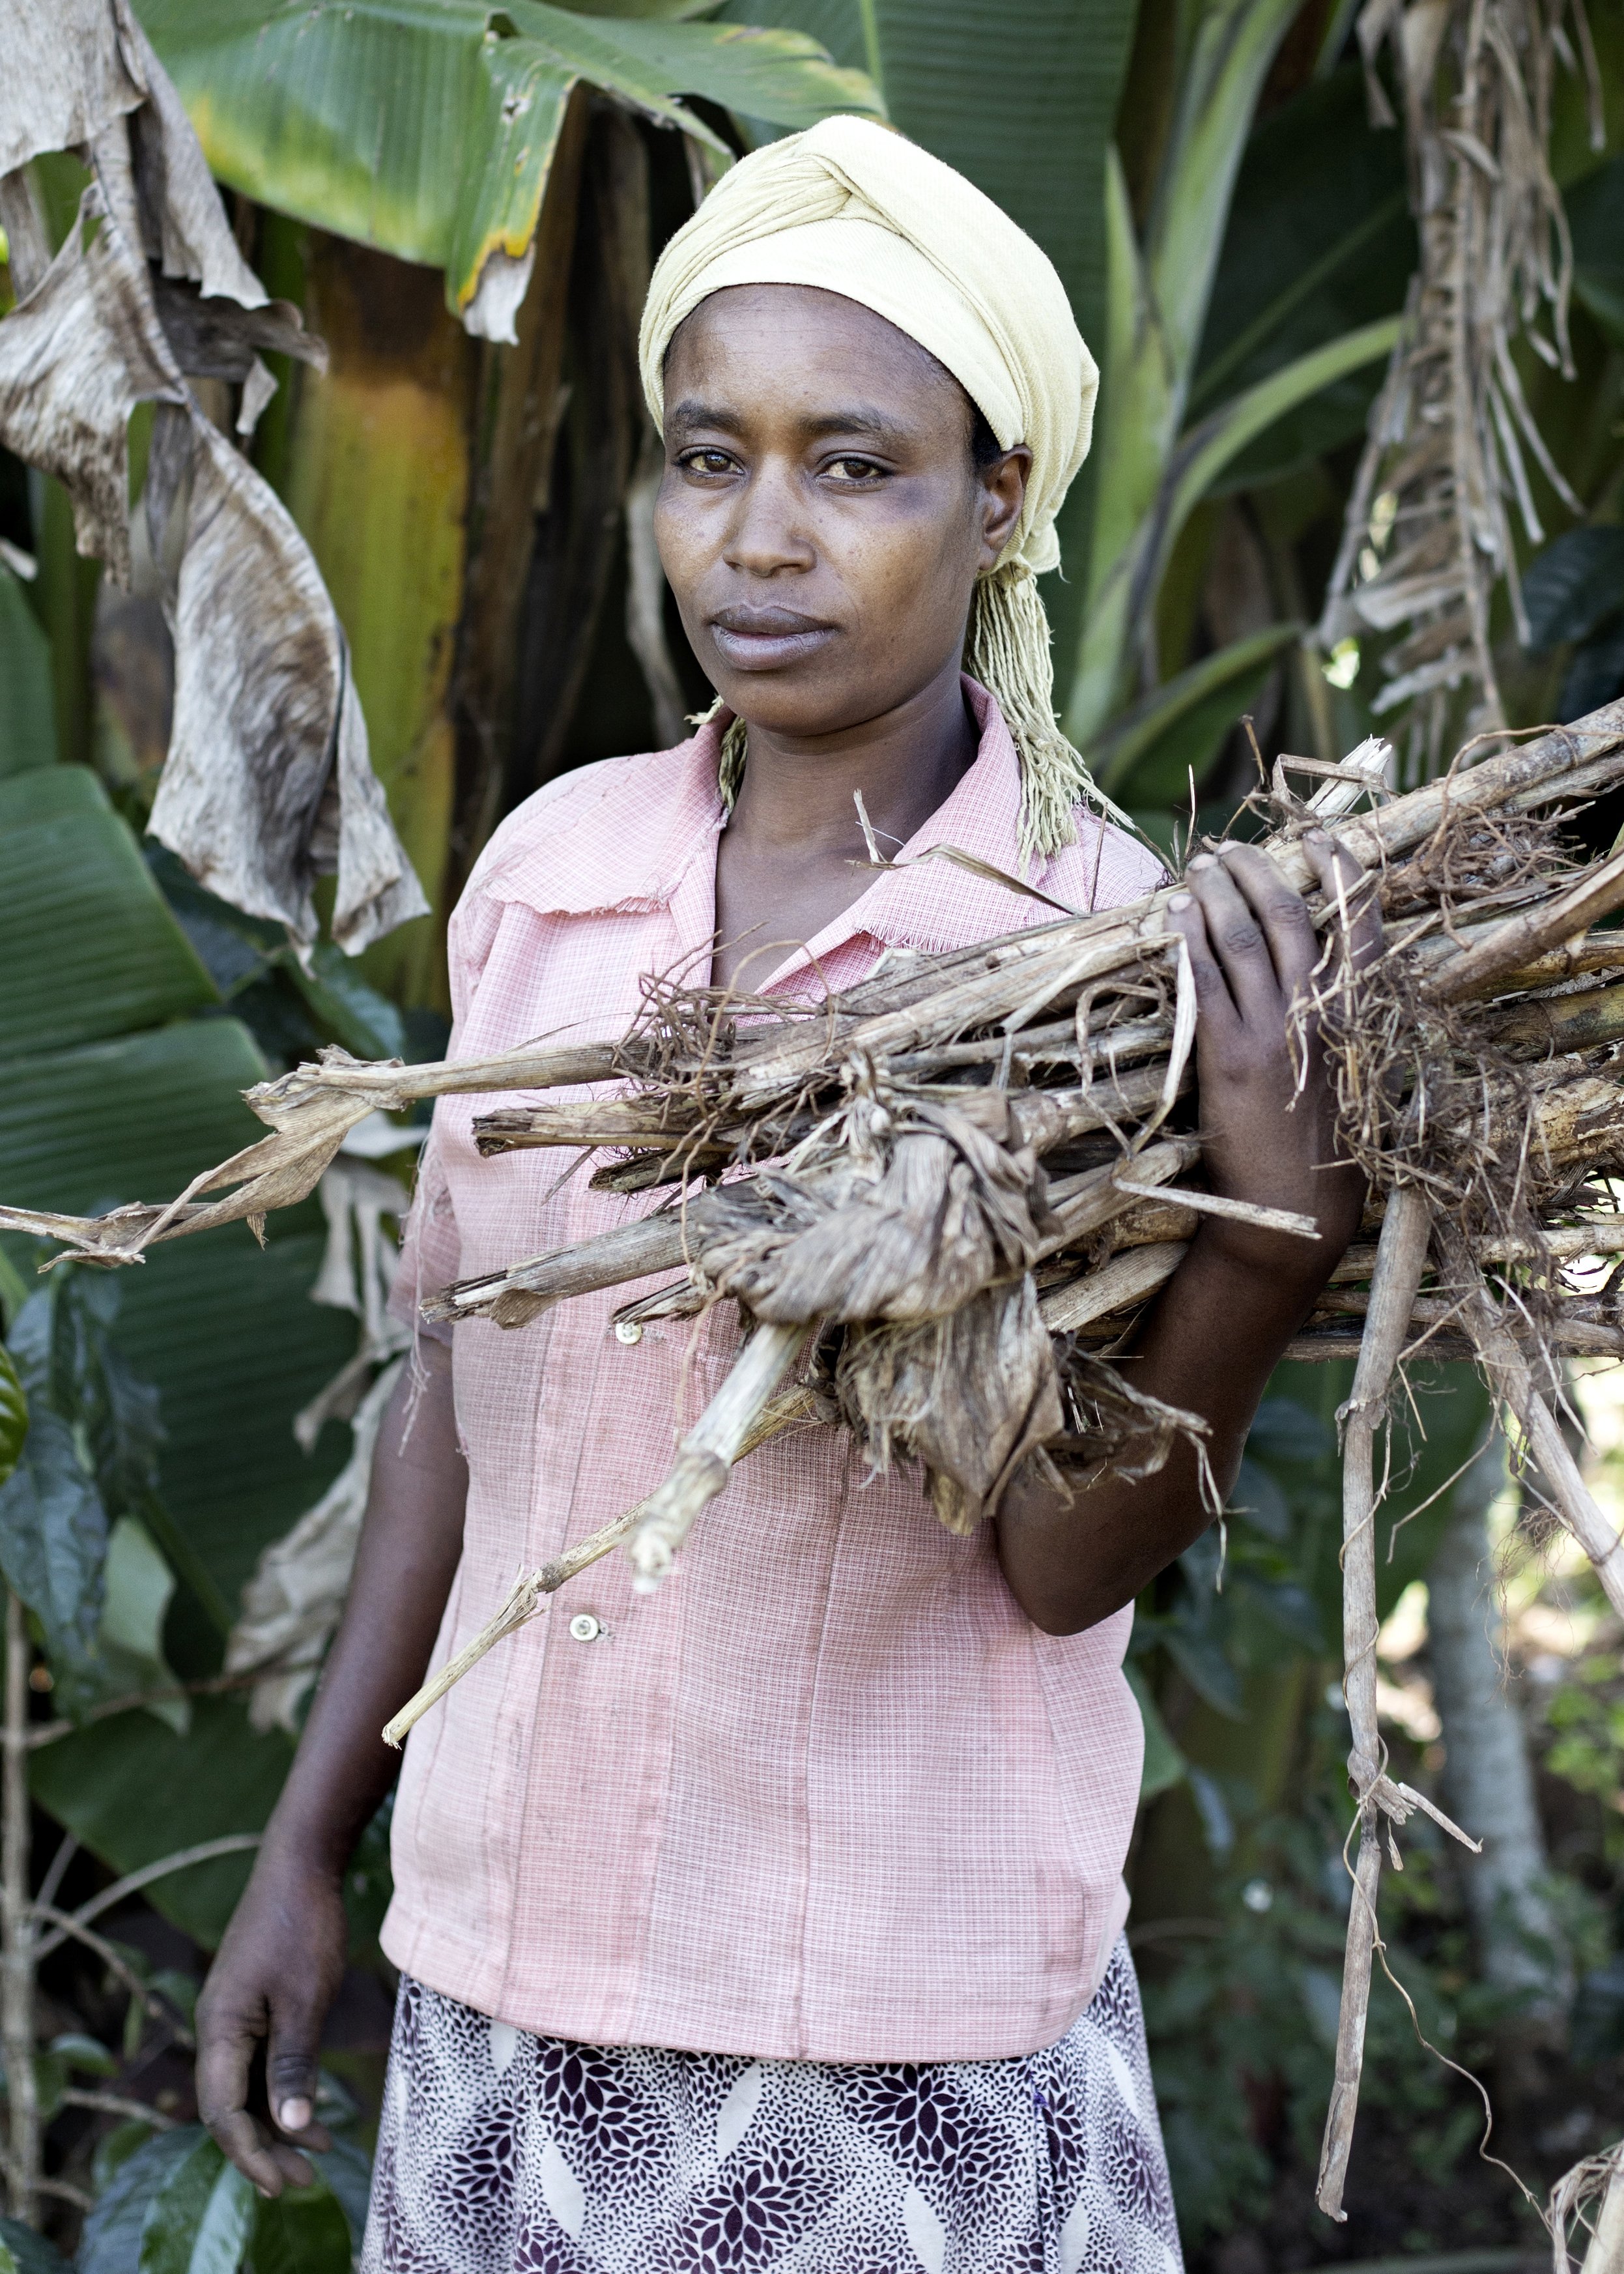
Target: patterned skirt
503,2153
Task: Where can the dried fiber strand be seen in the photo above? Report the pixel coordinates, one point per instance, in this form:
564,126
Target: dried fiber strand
1427,536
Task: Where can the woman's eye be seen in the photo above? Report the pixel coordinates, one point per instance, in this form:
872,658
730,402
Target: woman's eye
708,462
854,469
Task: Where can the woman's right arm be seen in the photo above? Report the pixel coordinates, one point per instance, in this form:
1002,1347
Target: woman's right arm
283,1955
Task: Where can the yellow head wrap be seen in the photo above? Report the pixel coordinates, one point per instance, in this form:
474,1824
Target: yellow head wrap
853,208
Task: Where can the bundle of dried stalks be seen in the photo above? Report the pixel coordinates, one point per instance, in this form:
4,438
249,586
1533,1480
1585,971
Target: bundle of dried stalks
943,1196
1428,537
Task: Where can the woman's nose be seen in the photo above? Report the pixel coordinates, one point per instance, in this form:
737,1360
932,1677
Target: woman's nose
768,532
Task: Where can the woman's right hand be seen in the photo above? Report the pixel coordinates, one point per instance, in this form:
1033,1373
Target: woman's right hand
259,2020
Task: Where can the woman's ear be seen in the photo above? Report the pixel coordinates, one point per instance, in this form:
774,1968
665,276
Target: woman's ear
1004,492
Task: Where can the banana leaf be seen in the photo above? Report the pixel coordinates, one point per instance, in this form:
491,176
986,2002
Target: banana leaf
1319,242
1192,471
1152,753
28,724
428,127
99,986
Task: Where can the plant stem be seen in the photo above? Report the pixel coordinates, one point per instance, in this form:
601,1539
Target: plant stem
17,1931
1401,1259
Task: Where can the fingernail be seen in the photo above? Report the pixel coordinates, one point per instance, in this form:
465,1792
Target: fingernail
294,2115
264,2194
1179,901
1202,861
1227,845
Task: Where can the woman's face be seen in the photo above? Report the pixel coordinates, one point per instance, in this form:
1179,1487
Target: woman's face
820,518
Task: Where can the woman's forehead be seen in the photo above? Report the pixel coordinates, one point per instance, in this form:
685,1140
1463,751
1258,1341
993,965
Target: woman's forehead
766,345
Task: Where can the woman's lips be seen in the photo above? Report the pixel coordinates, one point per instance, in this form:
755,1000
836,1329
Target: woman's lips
766,639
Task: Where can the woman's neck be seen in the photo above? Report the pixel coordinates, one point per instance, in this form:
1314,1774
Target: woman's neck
799,793
792,857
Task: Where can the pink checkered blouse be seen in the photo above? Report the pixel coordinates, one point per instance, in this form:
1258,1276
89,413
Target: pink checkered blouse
829,1794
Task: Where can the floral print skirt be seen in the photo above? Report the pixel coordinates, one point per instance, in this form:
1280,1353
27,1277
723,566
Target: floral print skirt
503,2153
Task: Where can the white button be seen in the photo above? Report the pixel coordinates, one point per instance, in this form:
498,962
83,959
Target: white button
585,1627
628,1330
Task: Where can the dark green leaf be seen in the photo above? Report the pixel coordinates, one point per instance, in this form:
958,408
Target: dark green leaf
1596,675
89,950
347,2170
13,1416
1282,1430
1149,757
29,718
135,1792
31,2253
1217,1824
50,2082
89,2055
1199,1658
114,2150
1573,584
1595,207
53,1539
1164,1763
131,1119
1288,1605
199,2219
1258,1499
303,2231
233,947
138,1588
365,1022
111,2241
1319,241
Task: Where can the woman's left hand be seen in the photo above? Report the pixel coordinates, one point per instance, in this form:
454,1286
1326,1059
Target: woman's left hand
1267,1118
1211,1340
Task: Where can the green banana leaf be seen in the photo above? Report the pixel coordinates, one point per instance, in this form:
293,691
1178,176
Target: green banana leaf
1191,473
123,1078
29,718
1149,757
1205,453
1321,242
1320,239
428,127
14,1417
1596,216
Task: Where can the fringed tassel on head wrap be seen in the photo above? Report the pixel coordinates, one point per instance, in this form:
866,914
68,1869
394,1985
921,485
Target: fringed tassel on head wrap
1007,648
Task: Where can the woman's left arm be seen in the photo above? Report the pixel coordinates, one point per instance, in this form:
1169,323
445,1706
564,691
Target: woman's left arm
1221,1325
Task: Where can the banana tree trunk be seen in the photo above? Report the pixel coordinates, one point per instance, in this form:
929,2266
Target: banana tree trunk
379,482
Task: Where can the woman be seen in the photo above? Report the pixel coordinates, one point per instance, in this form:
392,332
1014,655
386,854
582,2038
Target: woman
775,1922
